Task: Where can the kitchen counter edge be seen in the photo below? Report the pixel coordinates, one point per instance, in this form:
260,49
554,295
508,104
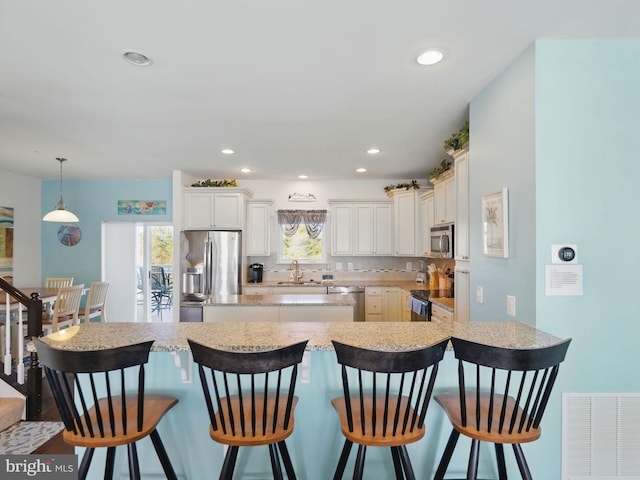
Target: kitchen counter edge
256,336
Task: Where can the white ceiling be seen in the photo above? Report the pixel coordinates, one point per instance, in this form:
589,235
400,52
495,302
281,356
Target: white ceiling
293,86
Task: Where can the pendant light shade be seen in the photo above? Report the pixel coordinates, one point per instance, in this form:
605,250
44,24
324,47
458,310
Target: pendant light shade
60,213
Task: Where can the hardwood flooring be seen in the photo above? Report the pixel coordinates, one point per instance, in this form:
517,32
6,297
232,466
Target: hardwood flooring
50,414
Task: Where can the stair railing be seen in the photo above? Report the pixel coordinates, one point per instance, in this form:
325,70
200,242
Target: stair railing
33,304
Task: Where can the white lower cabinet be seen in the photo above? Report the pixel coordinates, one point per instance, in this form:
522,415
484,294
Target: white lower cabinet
384,304
284,290
462,291
316,314
240,314
278,313
440,315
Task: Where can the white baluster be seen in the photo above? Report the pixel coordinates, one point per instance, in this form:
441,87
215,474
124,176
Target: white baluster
20,369
7,335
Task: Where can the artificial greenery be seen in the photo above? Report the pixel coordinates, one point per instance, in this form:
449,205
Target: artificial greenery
407,186
444,166
215,183
458,140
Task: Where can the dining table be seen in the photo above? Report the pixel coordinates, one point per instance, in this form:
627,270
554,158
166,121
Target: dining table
47,295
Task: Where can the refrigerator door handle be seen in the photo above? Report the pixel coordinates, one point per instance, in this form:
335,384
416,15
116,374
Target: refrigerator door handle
207,268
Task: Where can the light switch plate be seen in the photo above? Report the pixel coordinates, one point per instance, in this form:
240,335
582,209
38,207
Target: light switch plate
511,305
479,295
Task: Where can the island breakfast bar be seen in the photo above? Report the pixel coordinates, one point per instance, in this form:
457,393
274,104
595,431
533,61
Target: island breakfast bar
316,441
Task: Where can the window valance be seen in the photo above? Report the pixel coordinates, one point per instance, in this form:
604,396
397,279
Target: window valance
314,221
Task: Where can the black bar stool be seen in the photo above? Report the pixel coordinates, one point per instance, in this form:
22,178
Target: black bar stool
502,402
125,415
386,395
250,399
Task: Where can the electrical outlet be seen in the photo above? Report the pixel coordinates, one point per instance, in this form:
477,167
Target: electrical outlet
511,305
479,295
305,368
409,266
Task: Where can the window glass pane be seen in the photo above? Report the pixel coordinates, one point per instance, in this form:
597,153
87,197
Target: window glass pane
302,248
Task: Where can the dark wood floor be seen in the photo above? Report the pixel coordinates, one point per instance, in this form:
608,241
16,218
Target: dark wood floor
49,413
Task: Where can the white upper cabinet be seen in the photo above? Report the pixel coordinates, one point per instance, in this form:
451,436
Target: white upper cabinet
373,227
444,195
407,222
214,208
361,228
428,221
258,227
341,229
461,244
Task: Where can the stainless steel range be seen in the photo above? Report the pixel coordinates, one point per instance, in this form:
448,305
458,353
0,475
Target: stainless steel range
420,305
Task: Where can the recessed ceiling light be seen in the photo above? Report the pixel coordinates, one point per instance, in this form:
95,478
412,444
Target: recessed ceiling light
373,151
227,151
303,176
246,170
430,57
361,170
136,58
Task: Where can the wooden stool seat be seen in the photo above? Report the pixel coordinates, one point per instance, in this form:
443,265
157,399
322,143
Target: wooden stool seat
382,433
501,397
155,406
384,402
250,399
262,431
124,414
450,402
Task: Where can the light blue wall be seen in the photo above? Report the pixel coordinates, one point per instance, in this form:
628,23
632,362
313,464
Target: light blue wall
93,202
586,193
588,174
502,155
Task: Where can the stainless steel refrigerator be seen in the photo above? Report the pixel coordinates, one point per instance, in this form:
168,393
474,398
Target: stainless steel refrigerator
210,262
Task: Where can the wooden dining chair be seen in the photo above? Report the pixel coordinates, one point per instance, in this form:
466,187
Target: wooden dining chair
95,304
250,399
58,282
501,397
122,416
384,402
65,308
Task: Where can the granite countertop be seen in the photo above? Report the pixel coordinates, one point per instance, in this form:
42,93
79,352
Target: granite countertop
250,336
329,300
445,302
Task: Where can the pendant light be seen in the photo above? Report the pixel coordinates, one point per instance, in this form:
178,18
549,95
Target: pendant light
60,214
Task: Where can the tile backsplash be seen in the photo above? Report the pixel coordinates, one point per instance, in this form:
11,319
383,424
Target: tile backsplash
352,268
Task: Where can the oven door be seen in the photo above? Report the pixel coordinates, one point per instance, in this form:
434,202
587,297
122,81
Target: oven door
420,309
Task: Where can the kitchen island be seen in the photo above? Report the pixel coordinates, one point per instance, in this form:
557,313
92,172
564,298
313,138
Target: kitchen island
315,444
279,308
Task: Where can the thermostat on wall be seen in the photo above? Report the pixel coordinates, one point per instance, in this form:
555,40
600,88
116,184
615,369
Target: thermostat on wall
563,254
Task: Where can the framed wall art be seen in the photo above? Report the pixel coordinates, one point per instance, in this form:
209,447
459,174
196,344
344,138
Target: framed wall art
142,207
495,224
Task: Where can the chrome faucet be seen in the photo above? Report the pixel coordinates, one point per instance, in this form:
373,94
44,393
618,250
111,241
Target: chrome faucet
296,275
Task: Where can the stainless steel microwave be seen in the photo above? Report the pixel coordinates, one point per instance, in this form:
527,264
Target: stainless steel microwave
442,241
